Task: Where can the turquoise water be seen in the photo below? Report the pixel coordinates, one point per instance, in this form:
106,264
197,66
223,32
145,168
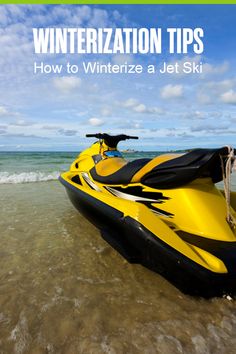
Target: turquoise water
22,167
64,290
19,167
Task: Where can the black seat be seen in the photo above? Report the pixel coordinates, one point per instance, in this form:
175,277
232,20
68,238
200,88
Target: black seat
123,175
186,168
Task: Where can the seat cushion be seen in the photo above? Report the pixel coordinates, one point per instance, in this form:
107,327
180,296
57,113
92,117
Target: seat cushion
184,169
151,164
122,176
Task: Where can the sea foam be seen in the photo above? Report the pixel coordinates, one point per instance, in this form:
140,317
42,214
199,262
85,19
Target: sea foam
26,177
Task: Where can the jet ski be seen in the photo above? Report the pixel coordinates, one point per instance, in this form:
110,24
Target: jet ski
165,213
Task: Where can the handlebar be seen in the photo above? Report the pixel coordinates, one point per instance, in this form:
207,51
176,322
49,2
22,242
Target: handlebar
111,140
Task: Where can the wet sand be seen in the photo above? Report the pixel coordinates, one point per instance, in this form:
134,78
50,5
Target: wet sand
64,290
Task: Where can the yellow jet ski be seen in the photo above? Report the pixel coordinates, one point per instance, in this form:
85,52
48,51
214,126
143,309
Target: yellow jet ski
165,213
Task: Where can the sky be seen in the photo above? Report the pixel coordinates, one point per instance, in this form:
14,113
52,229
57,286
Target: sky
53,112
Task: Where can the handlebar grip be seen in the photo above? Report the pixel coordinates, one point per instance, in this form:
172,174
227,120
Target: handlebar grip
132,137
90,135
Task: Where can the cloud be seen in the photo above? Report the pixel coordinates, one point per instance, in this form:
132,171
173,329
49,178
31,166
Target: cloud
106,112
229,97
120,59
139,107
209,128
185,135
142,108
66,84
212,90
96,122
22,123
203,98
134,124
23,135
216,115
3,111
100,18
67,132
215,69
50,127
172,91
130,102
226,84
194,115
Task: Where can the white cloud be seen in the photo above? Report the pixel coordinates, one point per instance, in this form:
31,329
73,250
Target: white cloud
22,123
130,125
203,98
210,128
210,90
139,107
3,111
96,122
215,69
172,91
142,108
131,102
220,86
100,18
120,59
23,135
200,115
50,127
66,84
106,112
67,132
229,97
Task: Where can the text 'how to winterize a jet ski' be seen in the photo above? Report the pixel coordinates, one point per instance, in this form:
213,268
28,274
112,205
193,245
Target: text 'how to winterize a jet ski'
95,67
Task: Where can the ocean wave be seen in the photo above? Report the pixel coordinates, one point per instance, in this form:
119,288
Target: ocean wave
27,177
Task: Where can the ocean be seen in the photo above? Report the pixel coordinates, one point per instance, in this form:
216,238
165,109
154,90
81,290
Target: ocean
64,290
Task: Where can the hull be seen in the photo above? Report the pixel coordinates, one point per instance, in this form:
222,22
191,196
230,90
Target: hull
139,244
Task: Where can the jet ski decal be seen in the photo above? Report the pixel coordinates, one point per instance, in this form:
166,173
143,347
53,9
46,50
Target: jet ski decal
158,211
118,193
159,198
89,182
138,191
146,201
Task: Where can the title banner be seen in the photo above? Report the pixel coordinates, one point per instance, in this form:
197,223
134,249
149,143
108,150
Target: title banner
116,2
117,40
